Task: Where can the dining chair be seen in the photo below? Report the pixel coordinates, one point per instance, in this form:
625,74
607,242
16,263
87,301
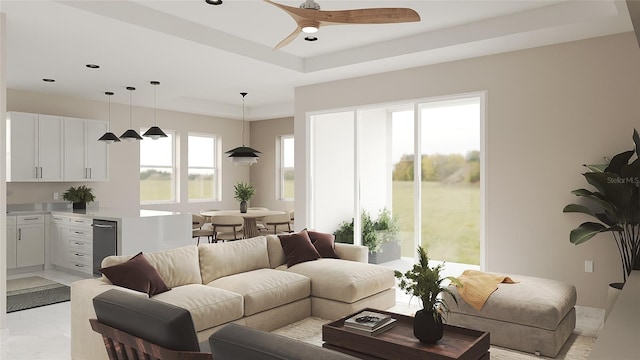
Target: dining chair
280,222
199,228
227,227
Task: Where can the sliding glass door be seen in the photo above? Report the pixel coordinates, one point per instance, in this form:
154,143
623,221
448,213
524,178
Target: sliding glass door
364,161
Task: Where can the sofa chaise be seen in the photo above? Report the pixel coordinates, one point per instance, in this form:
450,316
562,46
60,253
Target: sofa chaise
245,282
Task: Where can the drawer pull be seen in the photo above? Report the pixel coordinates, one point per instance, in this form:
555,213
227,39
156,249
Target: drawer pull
31,218
78,265
76,254
78,243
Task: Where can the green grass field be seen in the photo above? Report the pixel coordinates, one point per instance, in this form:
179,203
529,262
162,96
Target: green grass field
450,220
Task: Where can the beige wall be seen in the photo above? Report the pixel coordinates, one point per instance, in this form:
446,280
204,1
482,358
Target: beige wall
264,175
549,110
122,189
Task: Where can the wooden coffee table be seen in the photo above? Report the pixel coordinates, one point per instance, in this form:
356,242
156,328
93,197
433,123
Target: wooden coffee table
399,342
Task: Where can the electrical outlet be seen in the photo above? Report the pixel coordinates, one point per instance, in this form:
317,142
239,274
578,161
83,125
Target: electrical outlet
588,266
56,196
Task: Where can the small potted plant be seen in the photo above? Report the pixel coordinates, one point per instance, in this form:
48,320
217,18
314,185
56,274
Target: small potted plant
380,235
243,193
78,196
425,283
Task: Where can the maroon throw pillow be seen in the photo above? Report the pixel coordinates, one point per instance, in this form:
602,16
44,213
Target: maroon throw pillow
324,244
136,274
298,248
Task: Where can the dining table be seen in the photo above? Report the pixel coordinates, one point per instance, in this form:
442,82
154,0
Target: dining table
250,225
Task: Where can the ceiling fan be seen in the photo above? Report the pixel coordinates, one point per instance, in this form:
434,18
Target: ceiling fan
309,17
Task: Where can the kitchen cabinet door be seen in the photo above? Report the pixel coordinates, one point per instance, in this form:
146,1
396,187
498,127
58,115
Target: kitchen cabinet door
97,155
50,147
30,240
22,147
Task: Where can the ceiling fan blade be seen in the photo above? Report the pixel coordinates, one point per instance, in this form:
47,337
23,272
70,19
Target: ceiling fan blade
296,13
367,16
288,39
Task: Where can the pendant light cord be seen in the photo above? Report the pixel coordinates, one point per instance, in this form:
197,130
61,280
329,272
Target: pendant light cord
130,107
109,112
243,95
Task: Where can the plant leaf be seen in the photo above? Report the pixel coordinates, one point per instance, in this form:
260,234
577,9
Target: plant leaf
586,231
618,161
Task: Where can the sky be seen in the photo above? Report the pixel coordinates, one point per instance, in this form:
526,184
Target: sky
446,129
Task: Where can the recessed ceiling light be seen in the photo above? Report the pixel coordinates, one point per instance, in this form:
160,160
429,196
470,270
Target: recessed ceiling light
213,2
93,66
311,38
48,80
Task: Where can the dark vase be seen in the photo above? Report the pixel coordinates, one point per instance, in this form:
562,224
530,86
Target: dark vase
243,206
427,328
79,205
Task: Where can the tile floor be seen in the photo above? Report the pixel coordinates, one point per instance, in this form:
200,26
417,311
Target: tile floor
44,333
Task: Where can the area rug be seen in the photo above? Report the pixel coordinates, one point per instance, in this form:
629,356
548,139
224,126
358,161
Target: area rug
577,347
34,291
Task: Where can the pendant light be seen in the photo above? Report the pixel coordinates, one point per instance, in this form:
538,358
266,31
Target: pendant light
109,137
155,132
130,134
243,155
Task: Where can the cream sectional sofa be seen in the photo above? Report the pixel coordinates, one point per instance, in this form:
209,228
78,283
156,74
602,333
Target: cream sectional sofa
245,282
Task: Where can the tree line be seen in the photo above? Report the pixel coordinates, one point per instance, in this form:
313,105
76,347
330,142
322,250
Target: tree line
445,168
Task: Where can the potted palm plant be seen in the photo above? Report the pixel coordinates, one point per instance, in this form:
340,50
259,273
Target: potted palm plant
78,196
425,282
615,204
243,193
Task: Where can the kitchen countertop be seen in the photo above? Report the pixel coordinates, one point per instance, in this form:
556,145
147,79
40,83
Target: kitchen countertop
102,213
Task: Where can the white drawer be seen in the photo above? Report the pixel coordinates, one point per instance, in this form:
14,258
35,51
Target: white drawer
81,233
78,244
59,219
30,219
79,257
11,221
81,221
85,268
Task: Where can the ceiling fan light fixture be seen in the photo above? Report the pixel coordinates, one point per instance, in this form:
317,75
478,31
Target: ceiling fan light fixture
310,26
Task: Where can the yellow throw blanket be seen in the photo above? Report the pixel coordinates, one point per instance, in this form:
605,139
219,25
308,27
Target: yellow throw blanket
477,286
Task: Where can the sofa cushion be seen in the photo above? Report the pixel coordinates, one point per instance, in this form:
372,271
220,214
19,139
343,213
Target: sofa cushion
298,248
346,281
229,258
265,289
276,254
177,267
208,306
324,244
136,274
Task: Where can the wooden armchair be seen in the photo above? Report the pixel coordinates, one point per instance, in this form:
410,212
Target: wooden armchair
136,327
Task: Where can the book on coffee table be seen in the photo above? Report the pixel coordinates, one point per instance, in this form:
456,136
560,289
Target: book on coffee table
367,321
380,329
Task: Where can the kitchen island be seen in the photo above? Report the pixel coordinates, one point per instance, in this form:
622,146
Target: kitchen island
79,239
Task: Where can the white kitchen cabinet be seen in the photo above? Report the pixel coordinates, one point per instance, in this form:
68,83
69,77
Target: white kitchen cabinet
25,242
72,243
11,242
85,158
34,147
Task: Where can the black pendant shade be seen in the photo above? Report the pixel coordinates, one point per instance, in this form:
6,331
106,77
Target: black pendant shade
130,134
155,132
243,155
109,137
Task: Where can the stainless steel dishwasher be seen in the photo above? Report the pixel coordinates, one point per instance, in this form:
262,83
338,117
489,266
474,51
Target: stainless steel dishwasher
104,242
